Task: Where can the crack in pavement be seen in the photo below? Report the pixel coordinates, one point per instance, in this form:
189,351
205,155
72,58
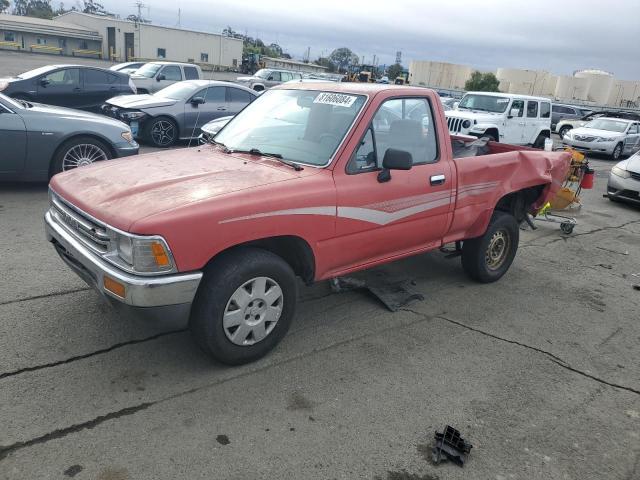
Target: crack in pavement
555,359
591,232
46,295
90,354
63,432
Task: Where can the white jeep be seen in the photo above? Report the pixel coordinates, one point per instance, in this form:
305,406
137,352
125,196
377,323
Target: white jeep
504,117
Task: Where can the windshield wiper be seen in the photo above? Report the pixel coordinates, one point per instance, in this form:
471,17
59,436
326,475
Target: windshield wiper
277,156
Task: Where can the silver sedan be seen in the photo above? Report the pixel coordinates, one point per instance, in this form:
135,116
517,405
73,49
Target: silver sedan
610,136
624,180
178,111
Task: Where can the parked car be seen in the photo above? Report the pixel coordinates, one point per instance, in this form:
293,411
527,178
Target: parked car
74,86
267,78
127,67
449,103
560,111
611,136
567,124
503,117
211,129
39,141
179,110
294,186
624,180
154,76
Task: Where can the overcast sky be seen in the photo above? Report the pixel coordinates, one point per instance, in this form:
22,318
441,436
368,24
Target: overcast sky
559,36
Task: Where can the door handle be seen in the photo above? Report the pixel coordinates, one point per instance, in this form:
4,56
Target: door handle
222,109
77,89
437,179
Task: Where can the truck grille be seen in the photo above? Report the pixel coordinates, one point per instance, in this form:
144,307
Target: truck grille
86,230
454,124
584,138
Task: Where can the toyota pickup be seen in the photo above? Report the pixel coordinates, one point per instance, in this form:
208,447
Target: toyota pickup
310,181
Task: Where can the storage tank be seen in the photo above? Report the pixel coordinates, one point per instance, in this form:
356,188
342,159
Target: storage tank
571,88
600,85
525,82
438,74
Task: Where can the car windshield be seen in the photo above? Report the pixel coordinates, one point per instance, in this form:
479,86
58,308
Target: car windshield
607,124
178,91
35,72
303,126
148,70
487,103
262,73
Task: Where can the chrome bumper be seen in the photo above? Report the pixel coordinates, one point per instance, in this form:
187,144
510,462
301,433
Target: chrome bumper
140,291
597,147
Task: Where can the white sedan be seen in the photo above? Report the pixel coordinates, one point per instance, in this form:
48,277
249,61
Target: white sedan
610,136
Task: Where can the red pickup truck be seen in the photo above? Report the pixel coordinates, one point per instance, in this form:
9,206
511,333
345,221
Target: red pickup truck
312,181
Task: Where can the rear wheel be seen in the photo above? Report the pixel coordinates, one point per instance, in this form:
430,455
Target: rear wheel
244,305
162,132
617,152
79,152
487,258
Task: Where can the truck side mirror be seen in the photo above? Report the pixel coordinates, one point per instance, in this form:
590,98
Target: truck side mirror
161,77
394,159
514,112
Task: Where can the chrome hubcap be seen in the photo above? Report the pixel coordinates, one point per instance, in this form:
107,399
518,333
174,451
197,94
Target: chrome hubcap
163,132
497,250
253,311
616,152
82,155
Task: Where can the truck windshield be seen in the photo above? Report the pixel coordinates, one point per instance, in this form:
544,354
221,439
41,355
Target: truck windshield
178,91
486,103
262,73
606,124
303,126
148,70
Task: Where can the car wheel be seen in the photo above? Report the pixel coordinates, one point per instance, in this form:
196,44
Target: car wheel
79,152
487,258
258,88
563,131
539,143
244,305
162,132
617,152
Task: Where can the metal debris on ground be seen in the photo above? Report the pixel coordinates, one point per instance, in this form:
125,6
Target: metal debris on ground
450,446
636,286
394,296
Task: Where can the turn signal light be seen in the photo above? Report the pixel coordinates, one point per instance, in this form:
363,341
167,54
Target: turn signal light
114,287
159,253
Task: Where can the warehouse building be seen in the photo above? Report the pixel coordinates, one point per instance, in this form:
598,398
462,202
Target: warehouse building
46,36
124,40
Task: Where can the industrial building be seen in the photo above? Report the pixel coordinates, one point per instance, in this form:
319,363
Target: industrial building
124,40
439,74
46,36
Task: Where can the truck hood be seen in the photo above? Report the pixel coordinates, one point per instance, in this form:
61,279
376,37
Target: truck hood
594,132
140,101
122,192
480,117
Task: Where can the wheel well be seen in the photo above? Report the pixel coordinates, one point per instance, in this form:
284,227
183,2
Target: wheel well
545,133
493,131
293,250
518,203
258,88
81,135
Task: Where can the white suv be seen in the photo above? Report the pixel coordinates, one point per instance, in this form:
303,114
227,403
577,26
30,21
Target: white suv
154,76
507,118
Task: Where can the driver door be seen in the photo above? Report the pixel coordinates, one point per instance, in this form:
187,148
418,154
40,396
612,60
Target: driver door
171,74
409,212
61,87
632,142
515,123
196,116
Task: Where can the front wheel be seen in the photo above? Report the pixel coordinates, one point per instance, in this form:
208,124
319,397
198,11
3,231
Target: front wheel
79,152
617,152
244,305
162,132
539,143
487,258
563,131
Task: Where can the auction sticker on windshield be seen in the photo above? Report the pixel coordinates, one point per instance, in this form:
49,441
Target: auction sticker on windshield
337,99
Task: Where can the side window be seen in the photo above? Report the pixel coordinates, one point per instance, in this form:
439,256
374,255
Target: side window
238,96
518,106
95,77
545,110
214,95
532,109
191,73
633,128
404,124
67,76
172,73
275,76
285,76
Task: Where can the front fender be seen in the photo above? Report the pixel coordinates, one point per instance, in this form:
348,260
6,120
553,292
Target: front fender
483,127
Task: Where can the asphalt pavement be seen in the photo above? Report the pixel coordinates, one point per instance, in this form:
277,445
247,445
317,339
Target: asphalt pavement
539,371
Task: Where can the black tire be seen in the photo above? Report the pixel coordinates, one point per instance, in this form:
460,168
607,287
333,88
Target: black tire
491,135
563,131
476,259
161,132
539,143
222,280
617,152
58,163
258,88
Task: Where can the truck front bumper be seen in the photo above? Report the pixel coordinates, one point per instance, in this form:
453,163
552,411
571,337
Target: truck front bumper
165,297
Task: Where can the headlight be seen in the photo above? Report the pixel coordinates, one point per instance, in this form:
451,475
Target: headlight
620,172
127,136
143,255
466,124
132,115
604,139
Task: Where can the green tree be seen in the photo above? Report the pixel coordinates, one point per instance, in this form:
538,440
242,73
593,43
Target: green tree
342,58
20,7
4,5
393,71
325,62
482,82
91,6
33,8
